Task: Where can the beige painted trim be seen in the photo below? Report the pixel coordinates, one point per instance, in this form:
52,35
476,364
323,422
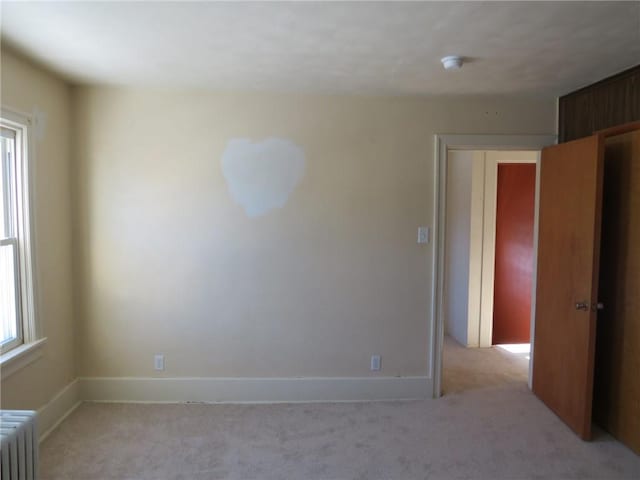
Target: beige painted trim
19,357
226,390
534,284
253,390
475,249
58,408
27,160
443,143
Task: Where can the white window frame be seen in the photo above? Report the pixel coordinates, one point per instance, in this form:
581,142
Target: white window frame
10,173
16,355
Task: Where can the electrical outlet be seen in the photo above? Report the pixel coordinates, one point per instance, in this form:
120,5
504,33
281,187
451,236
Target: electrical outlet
375,363
158,362
423,234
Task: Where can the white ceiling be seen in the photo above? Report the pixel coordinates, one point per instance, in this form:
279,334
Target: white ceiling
527,48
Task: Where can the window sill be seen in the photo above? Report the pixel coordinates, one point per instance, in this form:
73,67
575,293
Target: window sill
19,357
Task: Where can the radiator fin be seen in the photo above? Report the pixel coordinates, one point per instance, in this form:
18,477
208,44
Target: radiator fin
19,445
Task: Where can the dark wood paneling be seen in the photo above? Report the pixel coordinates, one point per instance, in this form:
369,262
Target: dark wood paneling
610,102
575,116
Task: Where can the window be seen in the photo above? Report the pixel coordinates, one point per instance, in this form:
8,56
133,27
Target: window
17,306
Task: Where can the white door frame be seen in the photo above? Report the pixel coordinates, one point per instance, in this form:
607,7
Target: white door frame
444,143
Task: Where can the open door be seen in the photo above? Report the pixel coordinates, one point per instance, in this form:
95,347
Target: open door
571,176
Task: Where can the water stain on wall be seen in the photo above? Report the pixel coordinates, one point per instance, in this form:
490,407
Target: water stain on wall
262,175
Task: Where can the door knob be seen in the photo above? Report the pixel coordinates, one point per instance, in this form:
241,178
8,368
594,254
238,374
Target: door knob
582,306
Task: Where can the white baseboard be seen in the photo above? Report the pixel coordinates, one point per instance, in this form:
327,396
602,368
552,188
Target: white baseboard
253,390
58,408
227,390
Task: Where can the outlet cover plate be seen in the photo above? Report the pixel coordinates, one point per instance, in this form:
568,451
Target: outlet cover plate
158,362
375,363
423,234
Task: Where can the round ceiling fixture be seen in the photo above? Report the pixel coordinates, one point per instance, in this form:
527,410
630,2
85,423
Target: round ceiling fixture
452,62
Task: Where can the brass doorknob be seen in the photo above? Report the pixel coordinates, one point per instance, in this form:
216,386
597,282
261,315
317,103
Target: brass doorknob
582,306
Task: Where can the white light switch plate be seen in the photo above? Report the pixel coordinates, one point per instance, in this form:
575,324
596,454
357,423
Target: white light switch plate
423,234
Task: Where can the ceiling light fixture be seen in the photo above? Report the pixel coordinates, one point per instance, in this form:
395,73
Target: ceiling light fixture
452,62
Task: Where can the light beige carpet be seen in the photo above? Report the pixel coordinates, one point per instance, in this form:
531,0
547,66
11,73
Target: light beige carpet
499,431
471,368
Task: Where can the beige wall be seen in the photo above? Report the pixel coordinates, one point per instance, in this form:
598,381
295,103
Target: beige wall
169,263
27,88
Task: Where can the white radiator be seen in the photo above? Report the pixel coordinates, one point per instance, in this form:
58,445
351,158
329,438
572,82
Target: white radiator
19,447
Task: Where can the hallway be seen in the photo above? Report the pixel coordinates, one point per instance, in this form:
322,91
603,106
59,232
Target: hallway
475,368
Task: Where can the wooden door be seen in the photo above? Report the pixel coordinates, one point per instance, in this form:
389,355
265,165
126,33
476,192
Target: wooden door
515,205
567,279
617,371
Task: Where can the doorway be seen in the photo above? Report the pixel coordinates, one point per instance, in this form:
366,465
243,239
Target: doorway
488,265
500,145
